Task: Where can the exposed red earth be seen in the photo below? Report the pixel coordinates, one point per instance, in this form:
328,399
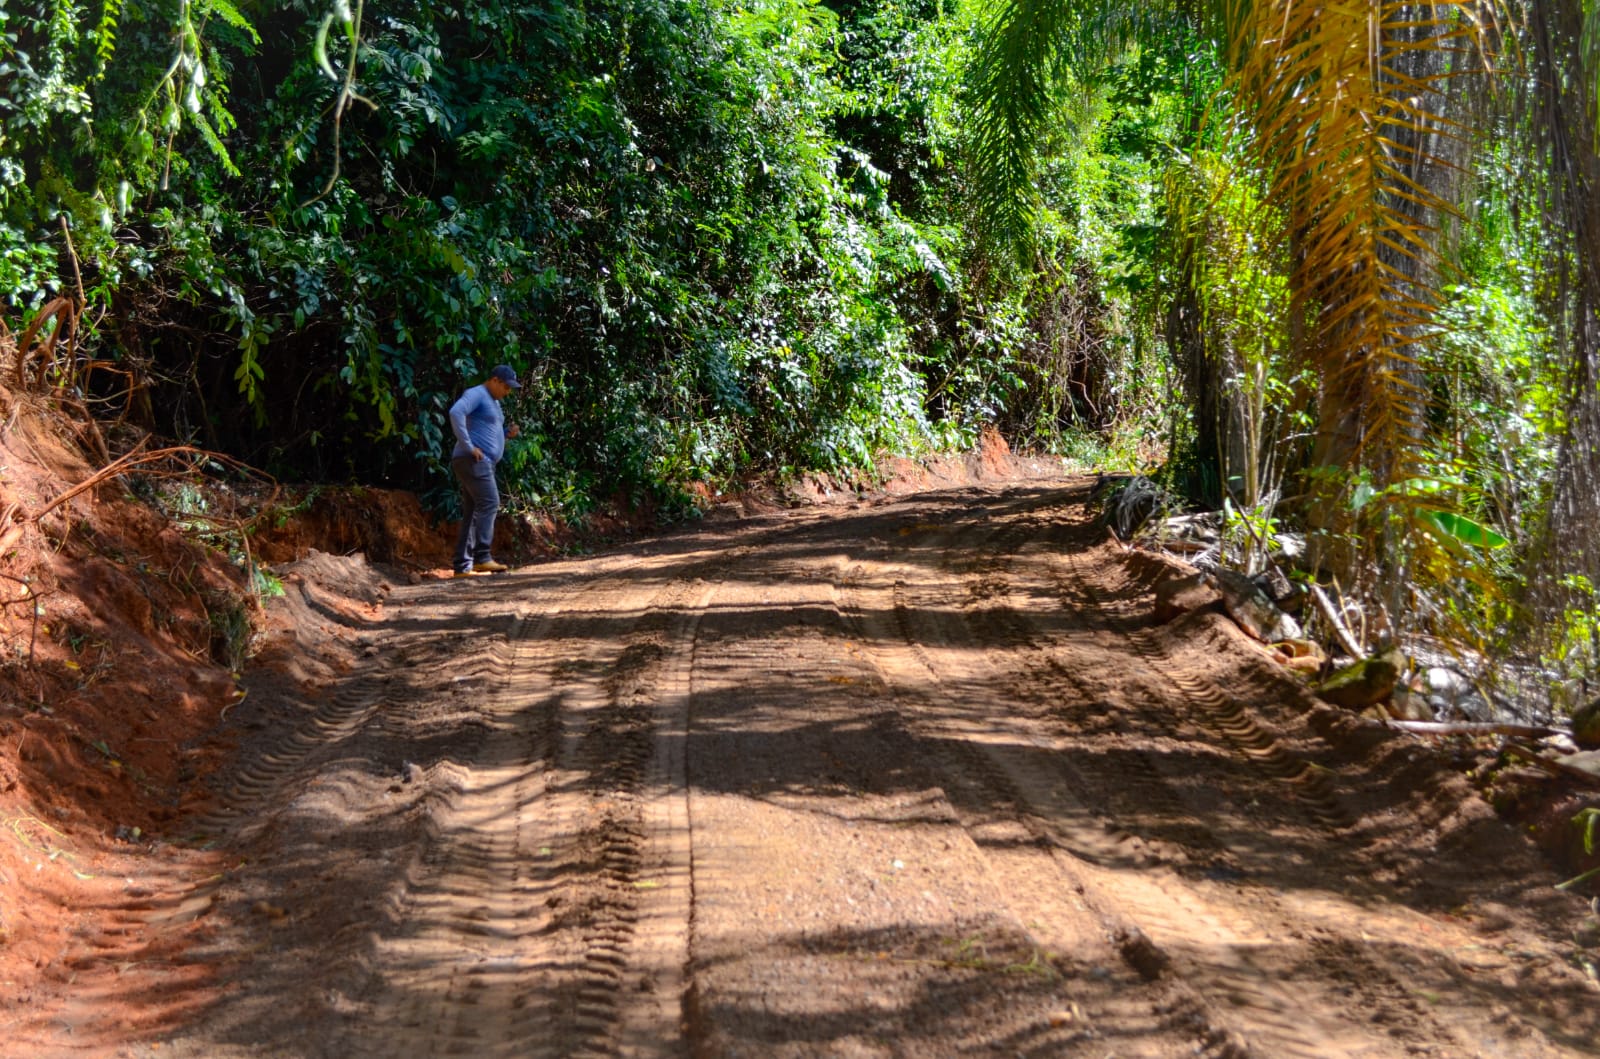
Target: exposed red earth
908,771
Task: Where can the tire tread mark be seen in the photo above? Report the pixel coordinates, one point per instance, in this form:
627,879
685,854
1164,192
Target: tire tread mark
1164,903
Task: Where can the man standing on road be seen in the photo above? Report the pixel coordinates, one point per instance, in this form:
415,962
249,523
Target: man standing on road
481,433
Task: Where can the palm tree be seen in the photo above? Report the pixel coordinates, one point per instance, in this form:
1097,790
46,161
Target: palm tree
1554,115
1358,119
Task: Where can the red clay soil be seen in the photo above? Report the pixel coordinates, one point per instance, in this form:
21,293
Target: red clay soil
121,635
109,674
901,768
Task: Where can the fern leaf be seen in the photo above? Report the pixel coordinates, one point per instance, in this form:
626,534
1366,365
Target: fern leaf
225,10
105,36
213,141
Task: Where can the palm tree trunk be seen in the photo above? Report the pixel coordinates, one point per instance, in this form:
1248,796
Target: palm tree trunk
1558,109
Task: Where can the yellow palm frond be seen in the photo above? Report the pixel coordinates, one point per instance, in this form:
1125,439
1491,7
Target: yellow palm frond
1343,108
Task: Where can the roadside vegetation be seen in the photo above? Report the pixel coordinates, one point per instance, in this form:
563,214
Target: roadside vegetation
1331,275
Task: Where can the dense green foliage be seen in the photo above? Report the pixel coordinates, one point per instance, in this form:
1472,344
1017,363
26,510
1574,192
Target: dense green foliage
1374,269
722,236
718,236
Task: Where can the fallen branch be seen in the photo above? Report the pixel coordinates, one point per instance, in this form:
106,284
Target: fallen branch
1341,632
115,467
1524,731
137,458
1550,765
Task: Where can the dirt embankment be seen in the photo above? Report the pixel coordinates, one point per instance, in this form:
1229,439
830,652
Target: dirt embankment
126,619
120,635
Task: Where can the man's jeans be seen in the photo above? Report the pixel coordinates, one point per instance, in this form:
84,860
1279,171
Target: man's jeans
480,503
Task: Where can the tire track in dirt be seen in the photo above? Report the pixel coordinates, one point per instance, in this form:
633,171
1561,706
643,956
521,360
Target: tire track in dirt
1231,961
442,858
915,782
535,865
820,926
1369,988
525,924
157,914
1227,716
1370,991
450,979
342,764
1013,764
957,711
625,922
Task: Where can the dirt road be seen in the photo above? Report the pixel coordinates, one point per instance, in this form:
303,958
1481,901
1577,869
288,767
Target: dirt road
913,778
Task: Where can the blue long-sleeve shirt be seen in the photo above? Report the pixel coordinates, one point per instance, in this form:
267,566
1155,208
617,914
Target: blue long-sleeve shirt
477,422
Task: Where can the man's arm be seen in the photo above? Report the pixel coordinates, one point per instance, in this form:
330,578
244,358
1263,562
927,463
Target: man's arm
465,405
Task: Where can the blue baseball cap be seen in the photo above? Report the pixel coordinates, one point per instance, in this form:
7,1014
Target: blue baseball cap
506,374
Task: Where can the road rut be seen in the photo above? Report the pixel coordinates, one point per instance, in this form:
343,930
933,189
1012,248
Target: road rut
910,778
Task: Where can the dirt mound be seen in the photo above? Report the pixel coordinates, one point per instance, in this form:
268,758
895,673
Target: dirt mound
120,633
386,525
307,637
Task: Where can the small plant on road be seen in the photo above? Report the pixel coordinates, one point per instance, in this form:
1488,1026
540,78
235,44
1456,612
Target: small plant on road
1589,820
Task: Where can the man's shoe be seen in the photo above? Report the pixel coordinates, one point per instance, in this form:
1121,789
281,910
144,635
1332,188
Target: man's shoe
491,567
472,573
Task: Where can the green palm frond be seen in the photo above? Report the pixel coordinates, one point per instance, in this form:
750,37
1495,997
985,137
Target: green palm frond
1344,112
1019,60
1347,110
1025,53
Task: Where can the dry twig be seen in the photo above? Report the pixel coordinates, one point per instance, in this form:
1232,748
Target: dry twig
1552,766
1341,631
1525,731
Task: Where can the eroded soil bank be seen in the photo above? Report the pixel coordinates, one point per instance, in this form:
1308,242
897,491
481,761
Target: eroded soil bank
905,775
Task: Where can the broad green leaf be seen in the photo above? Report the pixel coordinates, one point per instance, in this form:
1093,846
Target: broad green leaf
319,48
1466,530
